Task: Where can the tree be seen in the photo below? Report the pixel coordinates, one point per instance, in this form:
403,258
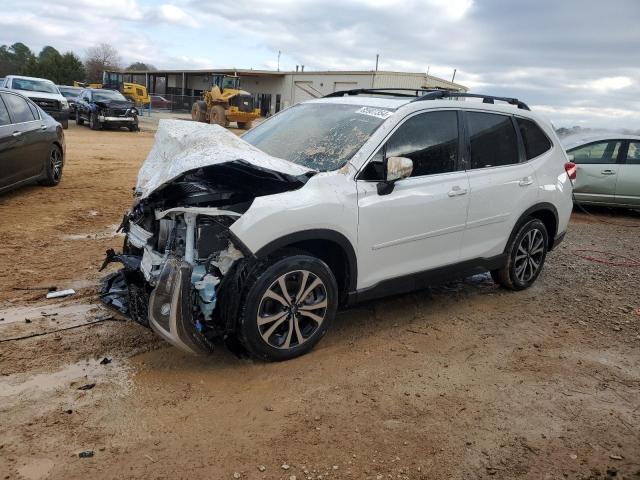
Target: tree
16,59
100,58
141,66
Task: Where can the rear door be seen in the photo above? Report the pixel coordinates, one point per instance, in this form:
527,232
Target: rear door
9,148
597,171
502,184
419,225
29,128
628,178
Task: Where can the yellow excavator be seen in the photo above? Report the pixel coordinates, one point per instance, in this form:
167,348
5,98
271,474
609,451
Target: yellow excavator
133,91
226,103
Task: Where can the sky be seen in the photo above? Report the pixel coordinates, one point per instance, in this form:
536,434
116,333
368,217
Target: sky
576,61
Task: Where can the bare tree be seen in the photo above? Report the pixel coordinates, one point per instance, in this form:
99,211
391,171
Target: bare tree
100,58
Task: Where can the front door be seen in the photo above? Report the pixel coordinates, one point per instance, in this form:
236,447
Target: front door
419,225
10,144
597,172
628,182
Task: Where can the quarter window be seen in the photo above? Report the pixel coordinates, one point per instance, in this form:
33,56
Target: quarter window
19,108
4,113
599,152
430,140
633,153
534,139
492,139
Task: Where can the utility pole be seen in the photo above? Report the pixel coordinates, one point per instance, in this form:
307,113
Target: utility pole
377,58
279,52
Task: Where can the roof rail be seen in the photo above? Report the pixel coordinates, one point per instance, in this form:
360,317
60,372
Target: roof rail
440,94
391,92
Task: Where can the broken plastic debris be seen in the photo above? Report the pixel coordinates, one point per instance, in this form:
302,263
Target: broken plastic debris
86,454
105,361
88,386
61,293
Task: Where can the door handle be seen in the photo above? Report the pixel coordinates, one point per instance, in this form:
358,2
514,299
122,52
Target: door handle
43,127
608,172
526,181
16,134
457,191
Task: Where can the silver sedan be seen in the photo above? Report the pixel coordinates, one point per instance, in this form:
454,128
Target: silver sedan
608,169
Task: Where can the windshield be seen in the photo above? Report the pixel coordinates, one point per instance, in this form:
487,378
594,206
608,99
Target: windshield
33,85
69,92
105,95
321,136
230,82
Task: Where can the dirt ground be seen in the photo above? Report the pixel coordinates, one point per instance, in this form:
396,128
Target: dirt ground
461,381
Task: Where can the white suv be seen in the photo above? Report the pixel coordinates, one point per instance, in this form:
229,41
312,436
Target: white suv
330,202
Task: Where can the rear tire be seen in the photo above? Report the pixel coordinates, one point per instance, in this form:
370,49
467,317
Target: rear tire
526,251
65,124
53,167
217,116
276,324
79,121
245,125
199,111
134,128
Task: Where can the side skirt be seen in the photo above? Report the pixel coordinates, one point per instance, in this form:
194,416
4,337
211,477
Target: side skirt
421,280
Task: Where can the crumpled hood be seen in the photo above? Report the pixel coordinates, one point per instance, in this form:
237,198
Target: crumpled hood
182,145
114,103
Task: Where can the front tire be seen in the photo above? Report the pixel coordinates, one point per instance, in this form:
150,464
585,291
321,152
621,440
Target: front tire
94,123
53,167
288,304
245,125
217,116
79,120
526,252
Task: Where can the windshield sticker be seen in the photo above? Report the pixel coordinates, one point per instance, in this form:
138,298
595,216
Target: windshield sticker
375,112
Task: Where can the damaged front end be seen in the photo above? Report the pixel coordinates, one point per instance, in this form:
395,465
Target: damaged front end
179,253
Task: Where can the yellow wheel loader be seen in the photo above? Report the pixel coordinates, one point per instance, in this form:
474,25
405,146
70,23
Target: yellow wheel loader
226,103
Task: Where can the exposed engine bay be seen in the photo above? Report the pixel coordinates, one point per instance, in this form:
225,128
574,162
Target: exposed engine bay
179,258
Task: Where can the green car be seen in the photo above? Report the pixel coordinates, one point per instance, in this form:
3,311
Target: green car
608,169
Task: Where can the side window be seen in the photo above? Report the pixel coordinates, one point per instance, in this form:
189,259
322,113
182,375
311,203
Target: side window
430,140
534,139
633,153
599,152
34,110
493,140
4,113
19,108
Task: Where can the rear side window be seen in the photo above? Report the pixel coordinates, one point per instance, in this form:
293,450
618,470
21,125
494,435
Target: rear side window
4,113
633,153
599,152
430,140
19,108
493,140
534,139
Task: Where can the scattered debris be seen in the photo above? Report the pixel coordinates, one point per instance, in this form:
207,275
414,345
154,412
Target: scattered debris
236,475
27,320
86,454
285,466
262,468
616,457
88,386
105,361
61,293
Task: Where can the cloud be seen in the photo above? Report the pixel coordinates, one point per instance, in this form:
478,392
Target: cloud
573,56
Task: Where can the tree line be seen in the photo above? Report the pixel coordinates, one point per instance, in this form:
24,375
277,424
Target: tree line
62,68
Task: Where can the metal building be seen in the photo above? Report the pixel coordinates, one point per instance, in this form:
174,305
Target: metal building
275,90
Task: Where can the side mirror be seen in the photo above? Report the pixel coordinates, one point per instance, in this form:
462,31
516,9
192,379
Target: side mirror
395,168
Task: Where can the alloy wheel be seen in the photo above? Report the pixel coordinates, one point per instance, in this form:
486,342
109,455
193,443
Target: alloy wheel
529,255
56,164
292,309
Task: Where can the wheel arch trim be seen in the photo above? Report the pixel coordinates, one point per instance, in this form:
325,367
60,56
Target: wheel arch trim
318,234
